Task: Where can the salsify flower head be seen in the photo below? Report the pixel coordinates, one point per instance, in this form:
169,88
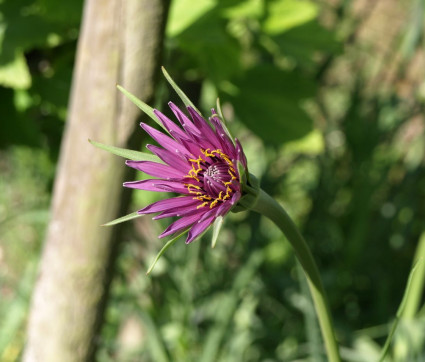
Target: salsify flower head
197,159
200,162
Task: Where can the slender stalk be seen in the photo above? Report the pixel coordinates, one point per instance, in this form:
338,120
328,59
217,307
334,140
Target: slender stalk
270,208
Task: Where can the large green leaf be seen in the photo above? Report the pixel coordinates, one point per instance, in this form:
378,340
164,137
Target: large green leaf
184,13
269,102
213,51
15,73
286,14
303,42
15,127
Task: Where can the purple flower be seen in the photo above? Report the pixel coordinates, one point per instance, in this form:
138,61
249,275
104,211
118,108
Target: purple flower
200,163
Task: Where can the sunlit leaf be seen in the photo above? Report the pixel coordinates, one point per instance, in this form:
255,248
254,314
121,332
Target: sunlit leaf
15,74
269,102
286,14
184,13
208,45
304,42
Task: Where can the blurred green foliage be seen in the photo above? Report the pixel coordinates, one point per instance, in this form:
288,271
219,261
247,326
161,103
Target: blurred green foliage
331,124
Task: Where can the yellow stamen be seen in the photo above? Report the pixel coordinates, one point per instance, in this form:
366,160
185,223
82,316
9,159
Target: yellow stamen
197,165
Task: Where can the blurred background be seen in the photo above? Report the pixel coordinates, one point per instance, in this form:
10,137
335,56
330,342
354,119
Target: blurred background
328,100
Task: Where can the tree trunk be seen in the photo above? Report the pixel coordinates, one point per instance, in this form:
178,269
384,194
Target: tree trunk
120,43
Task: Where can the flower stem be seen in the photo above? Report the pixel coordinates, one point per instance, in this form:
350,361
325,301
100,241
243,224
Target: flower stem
270,208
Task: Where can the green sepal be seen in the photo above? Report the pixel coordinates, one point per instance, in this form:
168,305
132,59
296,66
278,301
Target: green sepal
164,248
142,105
128,154
250,193
220,111
242,173
185,99
131,216
410,281
218,223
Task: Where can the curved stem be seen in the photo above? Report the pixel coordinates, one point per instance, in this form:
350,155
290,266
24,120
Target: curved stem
270,208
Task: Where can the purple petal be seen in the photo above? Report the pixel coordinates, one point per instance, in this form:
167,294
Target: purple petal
198,228
192,146
156,169
209,217
226,206
158,185
226,143
169,124
167,204
180,224
180,211
165,141
205,128
240,154
187,124
172,159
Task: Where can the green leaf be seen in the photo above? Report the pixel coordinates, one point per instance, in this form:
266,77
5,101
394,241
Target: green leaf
129,154
142,105
218,223
162,251
208,47
15,74
304,42
220,111
269,102
245,9
242,172
287,14
412,279
185,99
131,216
184,13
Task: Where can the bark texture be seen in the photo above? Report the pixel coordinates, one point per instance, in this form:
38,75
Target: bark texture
120,42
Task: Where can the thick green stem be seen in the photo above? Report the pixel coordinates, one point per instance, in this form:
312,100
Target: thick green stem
270,208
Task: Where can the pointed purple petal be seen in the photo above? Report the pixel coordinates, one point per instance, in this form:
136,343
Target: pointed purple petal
156,169
158,185
165,141
225,207
192,146
180,224
172,159
198,228
180,211
226,143
240,154
167,204
205,128
187,124
169,124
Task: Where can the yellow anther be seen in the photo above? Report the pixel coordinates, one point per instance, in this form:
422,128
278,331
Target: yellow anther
213,204
202,205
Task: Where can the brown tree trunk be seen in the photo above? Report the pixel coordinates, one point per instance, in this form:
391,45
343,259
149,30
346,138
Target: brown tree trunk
120,42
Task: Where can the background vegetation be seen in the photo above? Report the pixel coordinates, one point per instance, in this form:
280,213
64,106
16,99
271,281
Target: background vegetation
328,100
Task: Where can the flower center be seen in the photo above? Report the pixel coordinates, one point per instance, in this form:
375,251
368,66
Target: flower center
215,178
